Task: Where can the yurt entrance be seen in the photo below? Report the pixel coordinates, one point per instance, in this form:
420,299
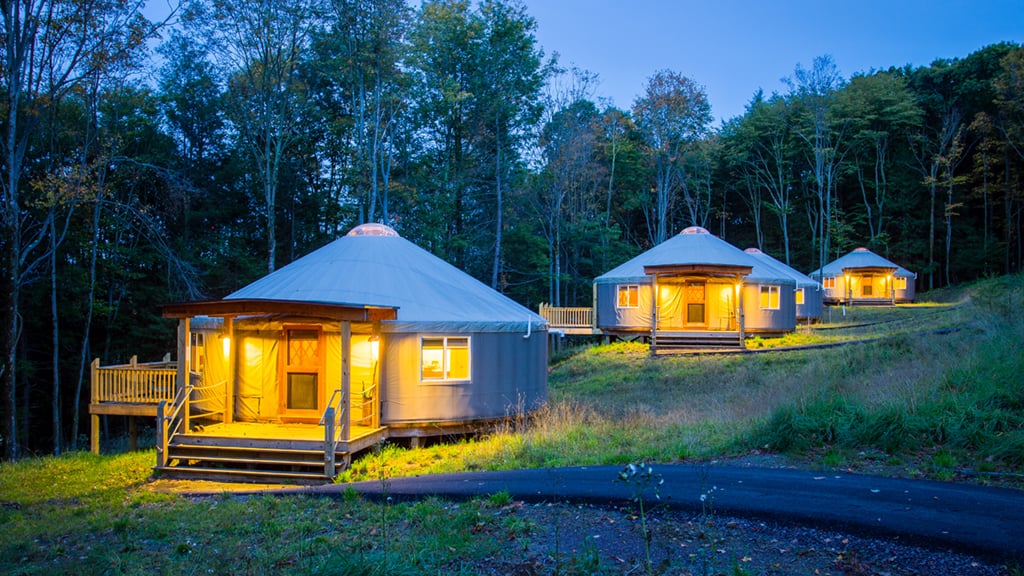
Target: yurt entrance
682,304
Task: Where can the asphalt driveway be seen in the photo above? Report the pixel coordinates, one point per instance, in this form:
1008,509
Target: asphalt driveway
978,520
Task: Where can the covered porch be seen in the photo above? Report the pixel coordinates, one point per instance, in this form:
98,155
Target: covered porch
270,389
697,306
868,285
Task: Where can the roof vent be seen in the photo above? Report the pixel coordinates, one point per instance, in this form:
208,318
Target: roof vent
861,249
695,230
753,251
372,229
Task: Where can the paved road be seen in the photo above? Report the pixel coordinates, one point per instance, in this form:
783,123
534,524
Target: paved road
979,520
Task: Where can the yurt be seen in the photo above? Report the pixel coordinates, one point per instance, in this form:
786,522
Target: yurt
863,277
808,294
413,344
694,289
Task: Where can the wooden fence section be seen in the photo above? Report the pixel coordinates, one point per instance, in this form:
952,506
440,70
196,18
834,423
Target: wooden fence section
133,383
131,390
558,317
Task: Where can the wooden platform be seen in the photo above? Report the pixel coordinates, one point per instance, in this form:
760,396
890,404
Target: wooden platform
241,433
263,451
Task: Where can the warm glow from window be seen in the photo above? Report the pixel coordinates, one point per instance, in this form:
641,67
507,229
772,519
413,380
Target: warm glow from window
225,343
444,358
901,282
799,296
769,297
629,296
828,282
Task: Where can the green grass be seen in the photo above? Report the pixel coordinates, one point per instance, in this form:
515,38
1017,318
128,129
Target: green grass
937,393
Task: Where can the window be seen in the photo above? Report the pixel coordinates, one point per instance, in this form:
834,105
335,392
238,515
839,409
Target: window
629,296
769,297
799,296
198,350
828,282
444,358
302,384
901,282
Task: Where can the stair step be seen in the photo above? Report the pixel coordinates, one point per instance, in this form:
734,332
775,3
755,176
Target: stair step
290,454
248,461
237,473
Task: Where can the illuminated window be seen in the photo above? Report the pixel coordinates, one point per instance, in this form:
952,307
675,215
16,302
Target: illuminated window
901,282
198,350
799,296
769,297
629,296
829,282
444,358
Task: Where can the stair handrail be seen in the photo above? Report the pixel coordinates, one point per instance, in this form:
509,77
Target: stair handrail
331,421
170,424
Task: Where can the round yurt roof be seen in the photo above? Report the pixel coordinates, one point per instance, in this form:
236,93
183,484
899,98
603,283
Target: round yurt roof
860,258
374,266
694,246
780,267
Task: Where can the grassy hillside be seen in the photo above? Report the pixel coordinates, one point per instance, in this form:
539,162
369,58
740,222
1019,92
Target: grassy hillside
926,390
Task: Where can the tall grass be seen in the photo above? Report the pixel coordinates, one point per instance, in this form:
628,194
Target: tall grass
959,392
933,378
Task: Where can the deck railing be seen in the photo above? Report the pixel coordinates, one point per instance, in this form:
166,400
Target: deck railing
146,383
574,317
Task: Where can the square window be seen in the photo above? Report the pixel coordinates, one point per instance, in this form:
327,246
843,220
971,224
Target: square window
444,358
769,297
302,391
629,296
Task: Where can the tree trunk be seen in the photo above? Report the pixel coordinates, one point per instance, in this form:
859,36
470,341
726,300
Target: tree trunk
83,359
55,353
496,268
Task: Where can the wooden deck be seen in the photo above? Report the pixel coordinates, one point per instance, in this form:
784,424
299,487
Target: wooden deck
241,433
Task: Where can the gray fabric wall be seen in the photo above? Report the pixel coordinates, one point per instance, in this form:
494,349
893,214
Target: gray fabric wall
508,372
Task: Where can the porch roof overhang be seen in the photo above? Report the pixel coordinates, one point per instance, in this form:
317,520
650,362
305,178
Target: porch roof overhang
253,306
727,270
870,270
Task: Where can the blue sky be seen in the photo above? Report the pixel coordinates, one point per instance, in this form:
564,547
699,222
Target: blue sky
734,47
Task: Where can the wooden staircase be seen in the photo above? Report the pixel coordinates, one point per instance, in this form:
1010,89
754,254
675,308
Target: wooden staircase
250,460
692,341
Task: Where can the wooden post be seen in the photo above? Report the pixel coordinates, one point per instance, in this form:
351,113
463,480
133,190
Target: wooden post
329,457
161,435
184,370
740,315
94,429
377,388
229,393
655,311
346,380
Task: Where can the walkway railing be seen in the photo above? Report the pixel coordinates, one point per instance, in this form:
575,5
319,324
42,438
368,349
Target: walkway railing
573,317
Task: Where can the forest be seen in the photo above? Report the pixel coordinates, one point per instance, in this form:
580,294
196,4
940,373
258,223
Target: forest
152,162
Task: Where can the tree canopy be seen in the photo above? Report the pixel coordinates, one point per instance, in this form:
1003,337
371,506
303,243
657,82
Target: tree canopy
270,129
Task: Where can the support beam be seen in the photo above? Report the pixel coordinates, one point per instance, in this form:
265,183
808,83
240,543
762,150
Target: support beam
94,428
346,380
232,359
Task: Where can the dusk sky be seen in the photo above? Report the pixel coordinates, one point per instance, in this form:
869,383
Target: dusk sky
734,47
